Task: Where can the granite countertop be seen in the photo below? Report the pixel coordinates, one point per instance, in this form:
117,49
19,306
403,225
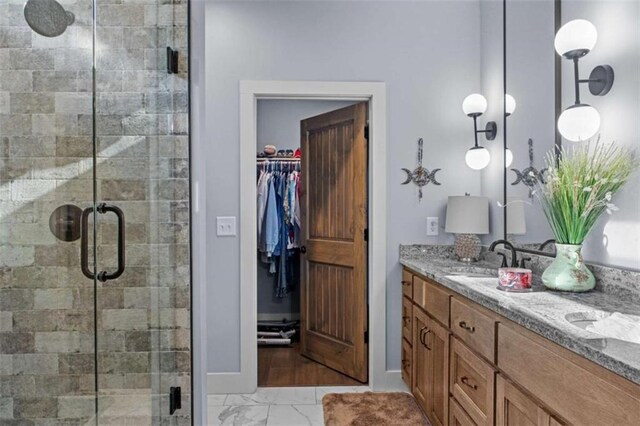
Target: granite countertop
541,311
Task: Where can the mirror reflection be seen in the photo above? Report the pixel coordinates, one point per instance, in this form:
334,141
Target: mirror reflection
531,100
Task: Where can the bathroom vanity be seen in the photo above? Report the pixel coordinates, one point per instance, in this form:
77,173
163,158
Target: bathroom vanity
475,355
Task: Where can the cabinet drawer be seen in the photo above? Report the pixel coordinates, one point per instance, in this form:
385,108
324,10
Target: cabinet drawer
578,390
407,283
457,415
471,381
432,299
407,319
406,362
474,328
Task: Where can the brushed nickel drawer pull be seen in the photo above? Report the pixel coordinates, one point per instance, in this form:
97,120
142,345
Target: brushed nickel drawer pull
465,380
406,282
406,319
469,328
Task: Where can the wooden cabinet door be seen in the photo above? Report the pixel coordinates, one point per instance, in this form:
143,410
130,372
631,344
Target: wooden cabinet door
516,408
431,367
437,341
457,415
406,362
333,290
420,361
407,319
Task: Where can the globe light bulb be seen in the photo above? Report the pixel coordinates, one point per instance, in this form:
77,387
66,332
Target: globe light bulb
508,157
576,38
579,122
474,104
477,158
509,104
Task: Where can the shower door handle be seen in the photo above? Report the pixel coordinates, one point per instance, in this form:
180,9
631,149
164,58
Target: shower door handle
104,275
84,243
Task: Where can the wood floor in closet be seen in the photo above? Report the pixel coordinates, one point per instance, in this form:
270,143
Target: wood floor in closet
285,366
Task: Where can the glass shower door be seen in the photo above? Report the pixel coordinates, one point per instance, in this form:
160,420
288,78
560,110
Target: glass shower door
94,304
47,337
143,316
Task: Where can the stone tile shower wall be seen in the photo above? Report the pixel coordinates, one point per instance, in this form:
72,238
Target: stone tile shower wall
46,127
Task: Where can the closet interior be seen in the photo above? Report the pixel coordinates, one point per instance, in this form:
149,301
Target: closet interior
279,177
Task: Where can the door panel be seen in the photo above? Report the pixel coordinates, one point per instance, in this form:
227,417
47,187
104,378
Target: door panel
88,117
334,280
420,360
438,341
515,408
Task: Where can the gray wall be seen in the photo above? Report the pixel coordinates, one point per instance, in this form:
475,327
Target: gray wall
279,125
428,53
616,239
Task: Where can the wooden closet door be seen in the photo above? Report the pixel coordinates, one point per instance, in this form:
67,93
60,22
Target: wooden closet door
334,216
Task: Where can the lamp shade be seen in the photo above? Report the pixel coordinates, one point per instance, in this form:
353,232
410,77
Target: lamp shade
516,224
477,158
579,122
474,104
576,35
467,215
509,104
508,157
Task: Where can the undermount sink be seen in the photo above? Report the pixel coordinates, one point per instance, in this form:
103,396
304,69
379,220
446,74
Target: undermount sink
584,319
472,271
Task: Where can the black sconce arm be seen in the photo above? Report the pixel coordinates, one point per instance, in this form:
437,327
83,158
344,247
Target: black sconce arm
600,80
490,129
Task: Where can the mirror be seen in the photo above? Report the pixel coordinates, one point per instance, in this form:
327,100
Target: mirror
532,103
600,69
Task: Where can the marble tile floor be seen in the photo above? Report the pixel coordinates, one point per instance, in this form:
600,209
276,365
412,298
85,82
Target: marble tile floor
290,406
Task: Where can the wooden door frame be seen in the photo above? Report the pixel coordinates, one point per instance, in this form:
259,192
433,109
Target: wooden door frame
375,93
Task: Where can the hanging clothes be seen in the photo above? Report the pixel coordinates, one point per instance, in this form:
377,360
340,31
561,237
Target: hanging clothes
278,217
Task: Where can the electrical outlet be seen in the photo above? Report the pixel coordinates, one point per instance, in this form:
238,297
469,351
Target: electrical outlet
226,226
432,226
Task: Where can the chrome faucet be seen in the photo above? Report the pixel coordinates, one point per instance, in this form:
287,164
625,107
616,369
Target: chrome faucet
506,244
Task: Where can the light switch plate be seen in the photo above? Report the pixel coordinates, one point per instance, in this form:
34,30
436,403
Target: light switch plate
432,226
226,226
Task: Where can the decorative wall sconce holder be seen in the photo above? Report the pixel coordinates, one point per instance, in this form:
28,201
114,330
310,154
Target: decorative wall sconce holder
529,176
421,176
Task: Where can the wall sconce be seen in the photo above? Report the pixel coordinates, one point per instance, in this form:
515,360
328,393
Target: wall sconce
477,157
509,108
573,41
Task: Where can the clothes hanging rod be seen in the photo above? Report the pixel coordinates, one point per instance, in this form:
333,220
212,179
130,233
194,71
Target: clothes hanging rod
277,159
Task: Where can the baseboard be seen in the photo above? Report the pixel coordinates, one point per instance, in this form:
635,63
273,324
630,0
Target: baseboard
390,382
228,383
278,317
223,383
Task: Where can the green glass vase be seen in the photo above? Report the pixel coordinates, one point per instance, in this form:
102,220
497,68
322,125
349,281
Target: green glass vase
568,271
